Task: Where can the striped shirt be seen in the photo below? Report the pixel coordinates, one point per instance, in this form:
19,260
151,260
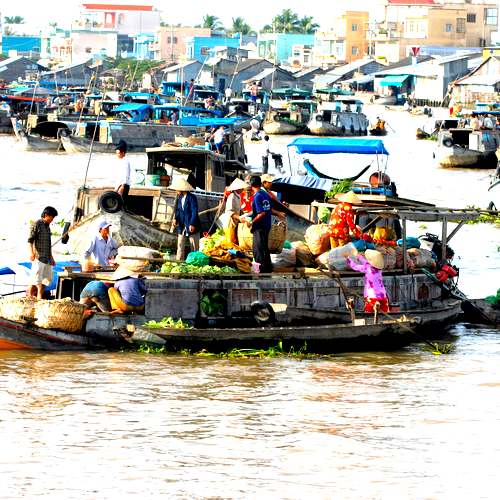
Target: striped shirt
40,236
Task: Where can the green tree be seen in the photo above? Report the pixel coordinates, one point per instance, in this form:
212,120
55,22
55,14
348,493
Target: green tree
212,22
307,25
240,26
286,22
14,20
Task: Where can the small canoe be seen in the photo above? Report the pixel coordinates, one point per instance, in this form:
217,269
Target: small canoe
378,131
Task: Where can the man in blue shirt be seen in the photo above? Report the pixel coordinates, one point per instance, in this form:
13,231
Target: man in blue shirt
95,293
261,225
102,248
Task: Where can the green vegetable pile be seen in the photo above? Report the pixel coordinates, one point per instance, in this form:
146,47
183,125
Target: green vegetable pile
210,242
213,304
170,267
168,322
342,186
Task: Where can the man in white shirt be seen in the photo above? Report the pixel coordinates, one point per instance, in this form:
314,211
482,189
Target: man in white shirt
265,154
219,138
228,94
124,172
102,249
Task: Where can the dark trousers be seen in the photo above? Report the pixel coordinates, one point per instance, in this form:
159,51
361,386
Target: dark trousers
260,249
265,164
126,189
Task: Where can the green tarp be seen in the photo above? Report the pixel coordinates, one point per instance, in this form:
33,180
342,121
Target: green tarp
393,80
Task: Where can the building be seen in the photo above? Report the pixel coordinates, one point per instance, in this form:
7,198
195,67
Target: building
170,41
302,56
22,45
19,67
122,18
88,43
345,42
279,47
199,47
75,75
482,84
271,78
421,23
183,72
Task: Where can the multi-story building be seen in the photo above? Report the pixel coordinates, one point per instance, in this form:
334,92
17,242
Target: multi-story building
199,48
170,41
278,47
345,41
433,23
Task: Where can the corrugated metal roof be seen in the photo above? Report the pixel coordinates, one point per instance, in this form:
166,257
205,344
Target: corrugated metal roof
487,80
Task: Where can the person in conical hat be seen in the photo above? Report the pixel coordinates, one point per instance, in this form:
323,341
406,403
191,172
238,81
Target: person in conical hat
341,223
186,218
372,264
128,292
232,212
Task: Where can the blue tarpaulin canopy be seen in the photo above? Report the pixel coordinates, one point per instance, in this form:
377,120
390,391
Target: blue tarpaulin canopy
393,80
330,145
132,106
304,181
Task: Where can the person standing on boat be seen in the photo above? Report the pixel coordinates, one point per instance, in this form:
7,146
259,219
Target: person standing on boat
102,249
40,247
260,226
124,172
190,94
186,219
232,211
342,220
265,154
254,92
372,264
219,137
475,122
228,94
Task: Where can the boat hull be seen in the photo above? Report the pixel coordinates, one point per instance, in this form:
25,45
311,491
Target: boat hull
377,131
454,156
28,142
281,128
340,124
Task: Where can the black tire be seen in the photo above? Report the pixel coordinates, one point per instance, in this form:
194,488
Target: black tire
65,236
319,118
110,202
263,312
64,132
447,142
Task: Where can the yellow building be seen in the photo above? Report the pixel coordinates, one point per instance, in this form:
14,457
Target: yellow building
429,23
344,42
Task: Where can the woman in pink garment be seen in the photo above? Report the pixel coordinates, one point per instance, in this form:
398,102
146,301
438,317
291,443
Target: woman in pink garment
371,264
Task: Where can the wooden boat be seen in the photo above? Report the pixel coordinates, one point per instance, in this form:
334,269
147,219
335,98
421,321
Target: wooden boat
40,135
481,312
377,131
289,117
342,117
467,148
5,123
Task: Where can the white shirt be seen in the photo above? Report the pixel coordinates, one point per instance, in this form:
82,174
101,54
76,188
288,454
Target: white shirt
183,200
219,136
123,167
265,148
228,92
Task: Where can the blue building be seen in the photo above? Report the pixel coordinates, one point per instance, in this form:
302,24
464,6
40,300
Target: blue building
143,46
199,47
278,47
23,45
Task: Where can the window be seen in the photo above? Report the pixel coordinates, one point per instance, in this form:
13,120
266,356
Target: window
354,27
448,28
171,39
460,24
354,50
491,17
204,51
471,18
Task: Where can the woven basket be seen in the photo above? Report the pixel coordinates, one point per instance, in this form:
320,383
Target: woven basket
18,309
277,237
192,140
65,315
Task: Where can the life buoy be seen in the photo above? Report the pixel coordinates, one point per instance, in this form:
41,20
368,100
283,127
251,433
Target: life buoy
110,202
65,232
447,142
319,118
263,312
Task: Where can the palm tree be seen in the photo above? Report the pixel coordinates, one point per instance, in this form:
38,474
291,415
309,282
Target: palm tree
240,26
286,22
14,20
212,22
307,25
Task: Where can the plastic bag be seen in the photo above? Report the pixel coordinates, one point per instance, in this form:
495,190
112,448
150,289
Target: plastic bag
317,238
287,258
421,258
389,254
198,259
303,255
337,257
411,242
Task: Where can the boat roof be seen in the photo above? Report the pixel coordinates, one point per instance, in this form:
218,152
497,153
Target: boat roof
132,106
330,145
184,150
428,214
184,108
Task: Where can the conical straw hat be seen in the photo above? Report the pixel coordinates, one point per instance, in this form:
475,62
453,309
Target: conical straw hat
180,184
375,258
123,272
237,184
350,197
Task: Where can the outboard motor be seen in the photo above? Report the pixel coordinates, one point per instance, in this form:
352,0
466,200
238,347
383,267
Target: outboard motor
433,243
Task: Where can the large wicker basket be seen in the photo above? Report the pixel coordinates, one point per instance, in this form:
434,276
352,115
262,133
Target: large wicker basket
18,309
65,315
277,237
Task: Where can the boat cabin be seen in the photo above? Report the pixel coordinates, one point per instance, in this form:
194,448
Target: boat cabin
484,141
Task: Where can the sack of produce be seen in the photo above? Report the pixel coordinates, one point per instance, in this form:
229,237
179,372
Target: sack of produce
324,214
198,259
303,255
131,257
277,237
411,242
337,257
65,315
18,308
287,258
317,238
421,258
322,260
389,254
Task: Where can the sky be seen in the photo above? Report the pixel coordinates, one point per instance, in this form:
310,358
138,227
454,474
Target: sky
188,12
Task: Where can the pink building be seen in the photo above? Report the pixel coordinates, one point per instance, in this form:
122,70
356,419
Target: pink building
170,43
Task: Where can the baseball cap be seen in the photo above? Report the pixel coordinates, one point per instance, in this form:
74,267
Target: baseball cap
103,224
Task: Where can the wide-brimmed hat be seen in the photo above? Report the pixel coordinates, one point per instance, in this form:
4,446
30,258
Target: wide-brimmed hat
237,184
267,178
374,258
180,184
123,272
350,197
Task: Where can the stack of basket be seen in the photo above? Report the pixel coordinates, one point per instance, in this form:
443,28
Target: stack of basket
18,309
277,237
65,315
